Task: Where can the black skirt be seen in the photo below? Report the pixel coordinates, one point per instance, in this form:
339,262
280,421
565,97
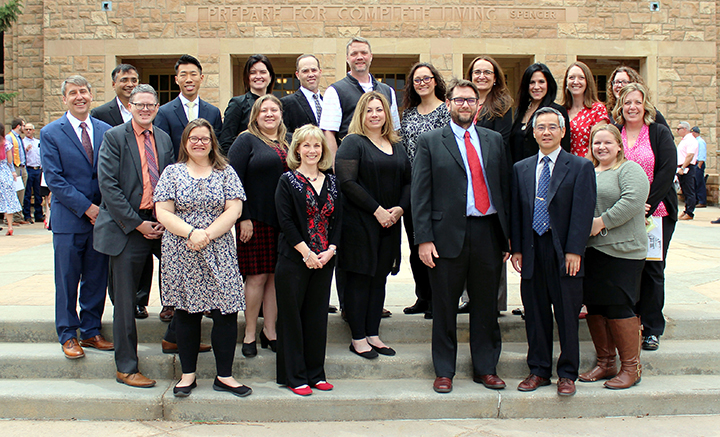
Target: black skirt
610,280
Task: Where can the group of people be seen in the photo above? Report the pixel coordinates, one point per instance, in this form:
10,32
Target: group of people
317,185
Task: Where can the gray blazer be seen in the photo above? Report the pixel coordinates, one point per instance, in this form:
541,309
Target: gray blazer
621,195
120,179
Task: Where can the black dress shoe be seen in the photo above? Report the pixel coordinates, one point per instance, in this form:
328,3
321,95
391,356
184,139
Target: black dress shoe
388,351
249,349
650,343
141,312
265,342
385,314
332,309
368,354
464,308
428,315
419,307
183,392
241,391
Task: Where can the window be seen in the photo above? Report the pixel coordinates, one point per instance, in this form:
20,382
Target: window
165,86
602,68
392,70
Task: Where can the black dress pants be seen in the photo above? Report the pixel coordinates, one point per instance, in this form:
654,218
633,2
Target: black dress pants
652,287
423,291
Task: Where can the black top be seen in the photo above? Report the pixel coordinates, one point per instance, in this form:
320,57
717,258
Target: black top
259,167
369,178
502,125
522,141
237,118
291,203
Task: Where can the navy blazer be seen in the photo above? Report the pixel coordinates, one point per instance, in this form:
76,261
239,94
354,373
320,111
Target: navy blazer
70,175
571,204
109,113
297,111
172,119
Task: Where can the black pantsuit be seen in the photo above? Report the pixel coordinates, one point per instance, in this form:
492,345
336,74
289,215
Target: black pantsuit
479,263
565,294
302,299
652,288
223,338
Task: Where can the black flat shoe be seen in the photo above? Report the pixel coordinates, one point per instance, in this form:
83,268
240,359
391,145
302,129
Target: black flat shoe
419,307
183,392
388,351
265,342
249,349
241,391
369,354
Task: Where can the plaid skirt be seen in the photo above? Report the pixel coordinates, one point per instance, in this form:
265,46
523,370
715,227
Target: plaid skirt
260,254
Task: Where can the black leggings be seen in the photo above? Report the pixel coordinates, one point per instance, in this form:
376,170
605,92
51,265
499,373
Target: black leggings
223,337
612,312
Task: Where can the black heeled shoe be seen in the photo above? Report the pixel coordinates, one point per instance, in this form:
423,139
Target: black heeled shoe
183,392
265,342
249,349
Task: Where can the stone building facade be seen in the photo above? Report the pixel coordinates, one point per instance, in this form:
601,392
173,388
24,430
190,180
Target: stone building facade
674,44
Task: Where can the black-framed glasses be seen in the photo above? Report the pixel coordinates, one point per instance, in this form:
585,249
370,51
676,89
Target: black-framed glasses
621,82
426,79
204,140
143,106
459,101
486,73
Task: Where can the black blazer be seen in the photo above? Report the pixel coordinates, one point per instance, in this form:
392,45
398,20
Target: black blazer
109,113
439,188
571,204
172,119
237,118
291,206
502,125
529,147
297,111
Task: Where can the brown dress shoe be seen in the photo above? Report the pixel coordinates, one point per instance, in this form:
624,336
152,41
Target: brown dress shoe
566,387
134,380
167,314
171,348
72,349
442,384
532,382
490,381
98,342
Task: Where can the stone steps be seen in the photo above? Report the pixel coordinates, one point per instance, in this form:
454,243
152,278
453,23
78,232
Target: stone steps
352,399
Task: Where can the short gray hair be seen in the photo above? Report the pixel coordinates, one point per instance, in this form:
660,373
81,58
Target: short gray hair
77,80
357,39
685,125
549,110
143,88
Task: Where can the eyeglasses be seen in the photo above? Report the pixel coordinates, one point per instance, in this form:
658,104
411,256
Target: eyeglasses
486,73
542,128
459,101
204,140
144,106
426,79
620,82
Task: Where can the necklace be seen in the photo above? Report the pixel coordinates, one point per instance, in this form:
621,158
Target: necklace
309,178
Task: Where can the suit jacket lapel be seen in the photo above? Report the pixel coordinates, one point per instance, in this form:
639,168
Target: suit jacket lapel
132,144
529,172
97,140
450,143
558,174
180,112
491,173
115,113
305,105
202,108
70,132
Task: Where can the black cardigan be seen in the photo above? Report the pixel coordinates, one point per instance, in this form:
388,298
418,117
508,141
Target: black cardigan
237,118
528,147
291,205
361,187
259,167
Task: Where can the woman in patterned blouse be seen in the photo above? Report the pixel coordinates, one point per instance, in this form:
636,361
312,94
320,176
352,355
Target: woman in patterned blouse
308,210
585,110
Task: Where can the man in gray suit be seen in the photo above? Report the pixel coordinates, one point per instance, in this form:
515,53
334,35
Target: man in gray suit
460,197
132,157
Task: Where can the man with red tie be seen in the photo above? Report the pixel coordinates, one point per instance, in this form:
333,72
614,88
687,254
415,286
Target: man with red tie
460,193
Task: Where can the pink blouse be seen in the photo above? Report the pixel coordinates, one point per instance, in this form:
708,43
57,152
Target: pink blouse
581,125
642,153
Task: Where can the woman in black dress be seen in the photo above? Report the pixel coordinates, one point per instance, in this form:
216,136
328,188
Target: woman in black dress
374,175
259,80
308,210
538,89
258,157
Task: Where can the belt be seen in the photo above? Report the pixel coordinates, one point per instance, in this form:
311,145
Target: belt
34,168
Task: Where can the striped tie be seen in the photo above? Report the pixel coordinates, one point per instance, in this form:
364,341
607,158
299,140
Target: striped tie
541,216
152,162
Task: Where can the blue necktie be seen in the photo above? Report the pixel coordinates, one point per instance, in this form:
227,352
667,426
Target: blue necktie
541,217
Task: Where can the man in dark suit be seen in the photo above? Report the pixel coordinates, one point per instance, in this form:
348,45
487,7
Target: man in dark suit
115,112
460,193
305,105
132,157
553,201
174,115
69,156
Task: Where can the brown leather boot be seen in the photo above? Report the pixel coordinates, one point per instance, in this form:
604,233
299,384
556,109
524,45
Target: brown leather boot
604,348
628,338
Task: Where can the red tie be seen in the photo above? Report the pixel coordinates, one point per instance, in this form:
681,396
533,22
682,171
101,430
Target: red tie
482,201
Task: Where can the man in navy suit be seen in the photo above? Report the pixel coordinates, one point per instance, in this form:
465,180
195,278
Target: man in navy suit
553,201
174,115
115,112
305,105
70,150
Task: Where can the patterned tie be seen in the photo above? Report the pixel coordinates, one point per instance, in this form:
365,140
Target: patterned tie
191,111
152,162
318,105
482,200
86,143
16,151
541,217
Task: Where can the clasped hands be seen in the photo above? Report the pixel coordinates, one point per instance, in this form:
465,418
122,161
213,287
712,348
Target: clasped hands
388,217
151,230
318,260
198,240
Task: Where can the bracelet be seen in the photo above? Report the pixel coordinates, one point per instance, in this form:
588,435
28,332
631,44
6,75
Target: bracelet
307,257
190,233
334,252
